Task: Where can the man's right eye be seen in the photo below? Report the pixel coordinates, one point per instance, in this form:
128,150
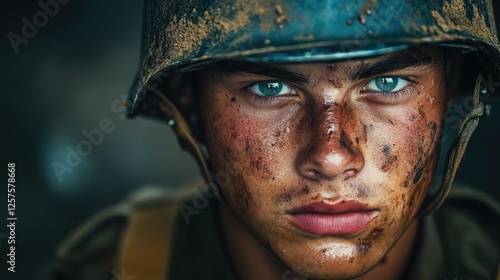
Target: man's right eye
271,88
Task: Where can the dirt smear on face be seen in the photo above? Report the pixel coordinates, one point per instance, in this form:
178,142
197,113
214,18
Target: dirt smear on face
363,247
366,243
390,160
365,133
346,143
363,192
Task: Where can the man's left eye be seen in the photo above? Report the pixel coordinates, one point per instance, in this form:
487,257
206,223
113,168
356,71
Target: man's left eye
271,88
386,84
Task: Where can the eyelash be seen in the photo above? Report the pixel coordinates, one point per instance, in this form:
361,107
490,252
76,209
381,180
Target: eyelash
394,94
265,100
258,98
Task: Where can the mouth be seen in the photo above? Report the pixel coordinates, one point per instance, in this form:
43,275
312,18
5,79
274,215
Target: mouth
345,217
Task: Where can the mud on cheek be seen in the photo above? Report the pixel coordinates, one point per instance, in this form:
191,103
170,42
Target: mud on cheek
420,176
252,174
411,159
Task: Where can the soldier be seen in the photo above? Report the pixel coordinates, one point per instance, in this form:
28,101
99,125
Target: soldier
317,127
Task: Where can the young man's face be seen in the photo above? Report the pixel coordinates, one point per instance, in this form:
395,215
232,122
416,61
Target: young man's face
332,160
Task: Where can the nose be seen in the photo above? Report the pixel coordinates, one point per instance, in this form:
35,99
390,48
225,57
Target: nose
331,151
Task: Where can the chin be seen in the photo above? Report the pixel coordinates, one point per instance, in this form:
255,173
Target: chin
333,270
329,260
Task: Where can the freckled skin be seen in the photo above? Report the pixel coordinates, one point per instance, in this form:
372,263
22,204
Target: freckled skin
327,142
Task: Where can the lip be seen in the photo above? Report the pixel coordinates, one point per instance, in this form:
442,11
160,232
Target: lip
341,218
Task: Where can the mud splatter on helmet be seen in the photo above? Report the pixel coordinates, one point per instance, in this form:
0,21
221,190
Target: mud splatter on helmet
181,36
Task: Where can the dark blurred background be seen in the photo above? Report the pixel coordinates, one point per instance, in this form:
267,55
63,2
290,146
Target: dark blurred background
67,78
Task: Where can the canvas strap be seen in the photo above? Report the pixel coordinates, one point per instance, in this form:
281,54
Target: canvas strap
147,243
146,246
183,131
457,150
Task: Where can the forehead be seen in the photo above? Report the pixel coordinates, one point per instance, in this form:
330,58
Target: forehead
352,69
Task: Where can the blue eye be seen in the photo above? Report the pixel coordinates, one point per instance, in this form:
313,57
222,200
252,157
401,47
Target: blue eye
271,88
387,84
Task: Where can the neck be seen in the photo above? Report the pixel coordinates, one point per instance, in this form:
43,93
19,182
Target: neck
252,260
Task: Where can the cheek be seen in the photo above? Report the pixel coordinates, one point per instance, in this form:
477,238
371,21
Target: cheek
401,155
406,147
406,154
253,148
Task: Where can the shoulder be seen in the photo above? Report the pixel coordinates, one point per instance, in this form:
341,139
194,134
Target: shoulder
469,210
92,250
460,240
468,224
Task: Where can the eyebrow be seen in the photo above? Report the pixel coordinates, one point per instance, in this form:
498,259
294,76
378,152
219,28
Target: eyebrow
272,70
394,62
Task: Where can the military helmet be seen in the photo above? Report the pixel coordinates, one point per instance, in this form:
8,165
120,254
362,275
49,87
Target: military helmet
184,35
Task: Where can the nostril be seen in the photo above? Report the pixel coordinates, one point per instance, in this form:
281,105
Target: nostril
312,174
349,173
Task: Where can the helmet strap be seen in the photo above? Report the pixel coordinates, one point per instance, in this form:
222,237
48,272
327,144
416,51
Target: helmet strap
178,123
457,150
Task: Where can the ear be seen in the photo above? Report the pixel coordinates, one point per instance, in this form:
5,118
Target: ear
181,89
